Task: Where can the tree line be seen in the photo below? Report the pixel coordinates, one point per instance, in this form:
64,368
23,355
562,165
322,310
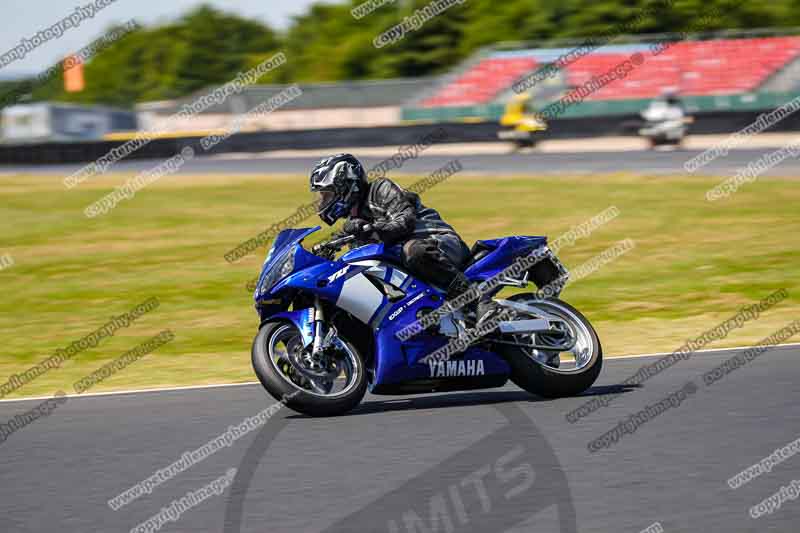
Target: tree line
207,47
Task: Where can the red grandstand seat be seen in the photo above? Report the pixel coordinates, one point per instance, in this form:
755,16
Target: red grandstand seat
721,66
482,82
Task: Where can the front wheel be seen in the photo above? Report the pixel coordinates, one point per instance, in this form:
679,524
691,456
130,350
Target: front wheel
330,383
555,372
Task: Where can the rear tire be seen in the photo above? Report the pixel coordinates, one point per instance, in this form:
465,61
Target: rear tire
283,389
537,378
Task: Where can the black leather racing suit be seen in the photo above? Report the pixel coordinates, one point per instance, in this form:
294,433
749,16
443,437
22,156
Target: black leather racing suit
432,250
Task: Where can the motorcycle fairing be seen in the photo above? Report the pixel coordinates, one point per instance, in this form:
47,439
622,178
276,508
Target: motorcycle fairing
285,243
399,362
374,251
346,283
503,253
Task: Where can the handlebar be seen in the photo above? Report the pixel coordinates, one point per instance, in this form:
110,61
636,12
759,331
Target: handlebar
337,244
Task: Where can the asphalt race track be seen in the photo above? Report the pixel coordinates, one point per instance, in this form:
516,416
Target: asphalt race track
640,162
487,461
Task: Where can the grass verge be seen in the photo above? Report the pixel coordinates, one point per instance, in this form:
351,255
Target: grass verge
695,263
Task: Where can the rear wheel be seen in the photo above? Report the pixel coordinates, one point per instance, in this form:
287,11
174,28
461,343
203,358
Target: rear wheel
330,383
544,368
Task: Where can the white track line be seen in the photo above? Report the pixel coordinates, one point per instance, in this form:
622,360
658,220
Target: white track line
710,350
248,383
135,391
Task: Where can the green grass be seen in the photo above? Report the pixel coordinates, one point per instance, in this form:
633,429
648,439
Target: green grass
695,263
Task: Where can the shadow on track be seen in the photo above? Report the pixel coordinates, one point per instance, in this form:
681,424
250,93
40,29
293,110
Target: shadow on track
449,399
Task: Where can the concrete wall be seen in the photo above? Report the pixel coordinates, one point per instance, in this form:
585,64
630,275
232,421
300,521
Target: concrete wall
278,120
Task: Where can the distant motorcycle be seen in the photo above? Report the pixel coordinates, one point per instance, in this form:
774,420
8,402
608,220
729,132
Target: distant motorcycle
520,125
331,329
664,122
665,132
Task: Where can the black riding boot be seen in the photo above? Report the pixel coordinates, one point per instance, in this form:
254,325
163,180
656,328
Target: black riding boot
483,307
458,286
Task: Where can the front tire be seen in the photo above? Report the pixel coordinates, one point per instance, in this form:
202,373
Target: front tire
538,375
279,378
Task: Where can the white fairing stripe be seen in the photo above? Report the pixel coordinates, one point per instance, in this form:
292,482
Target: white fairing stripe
360,298
397,278
379,271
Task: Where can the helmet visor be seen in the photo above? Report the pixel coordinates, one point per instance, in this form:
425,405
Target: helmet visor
325,199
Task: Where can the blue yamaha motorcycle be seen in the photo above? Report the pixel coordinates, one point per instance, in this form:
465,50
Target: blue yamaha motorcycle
331,328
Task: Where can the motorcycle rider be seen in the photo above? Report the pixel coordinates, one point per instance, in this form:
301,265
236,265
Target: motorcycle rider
383,211
664,120
666,107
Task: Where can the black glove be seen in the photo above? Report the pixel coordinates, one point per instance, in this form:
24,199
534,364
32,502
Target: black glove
355,226
380,225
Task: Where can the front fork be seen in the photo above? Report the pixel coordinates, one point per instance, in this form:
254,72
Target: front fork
319,326
323,333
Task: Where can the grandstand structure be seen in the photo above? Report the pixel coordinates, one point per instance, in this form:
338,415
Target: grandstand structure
728,71
708,72
321,105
